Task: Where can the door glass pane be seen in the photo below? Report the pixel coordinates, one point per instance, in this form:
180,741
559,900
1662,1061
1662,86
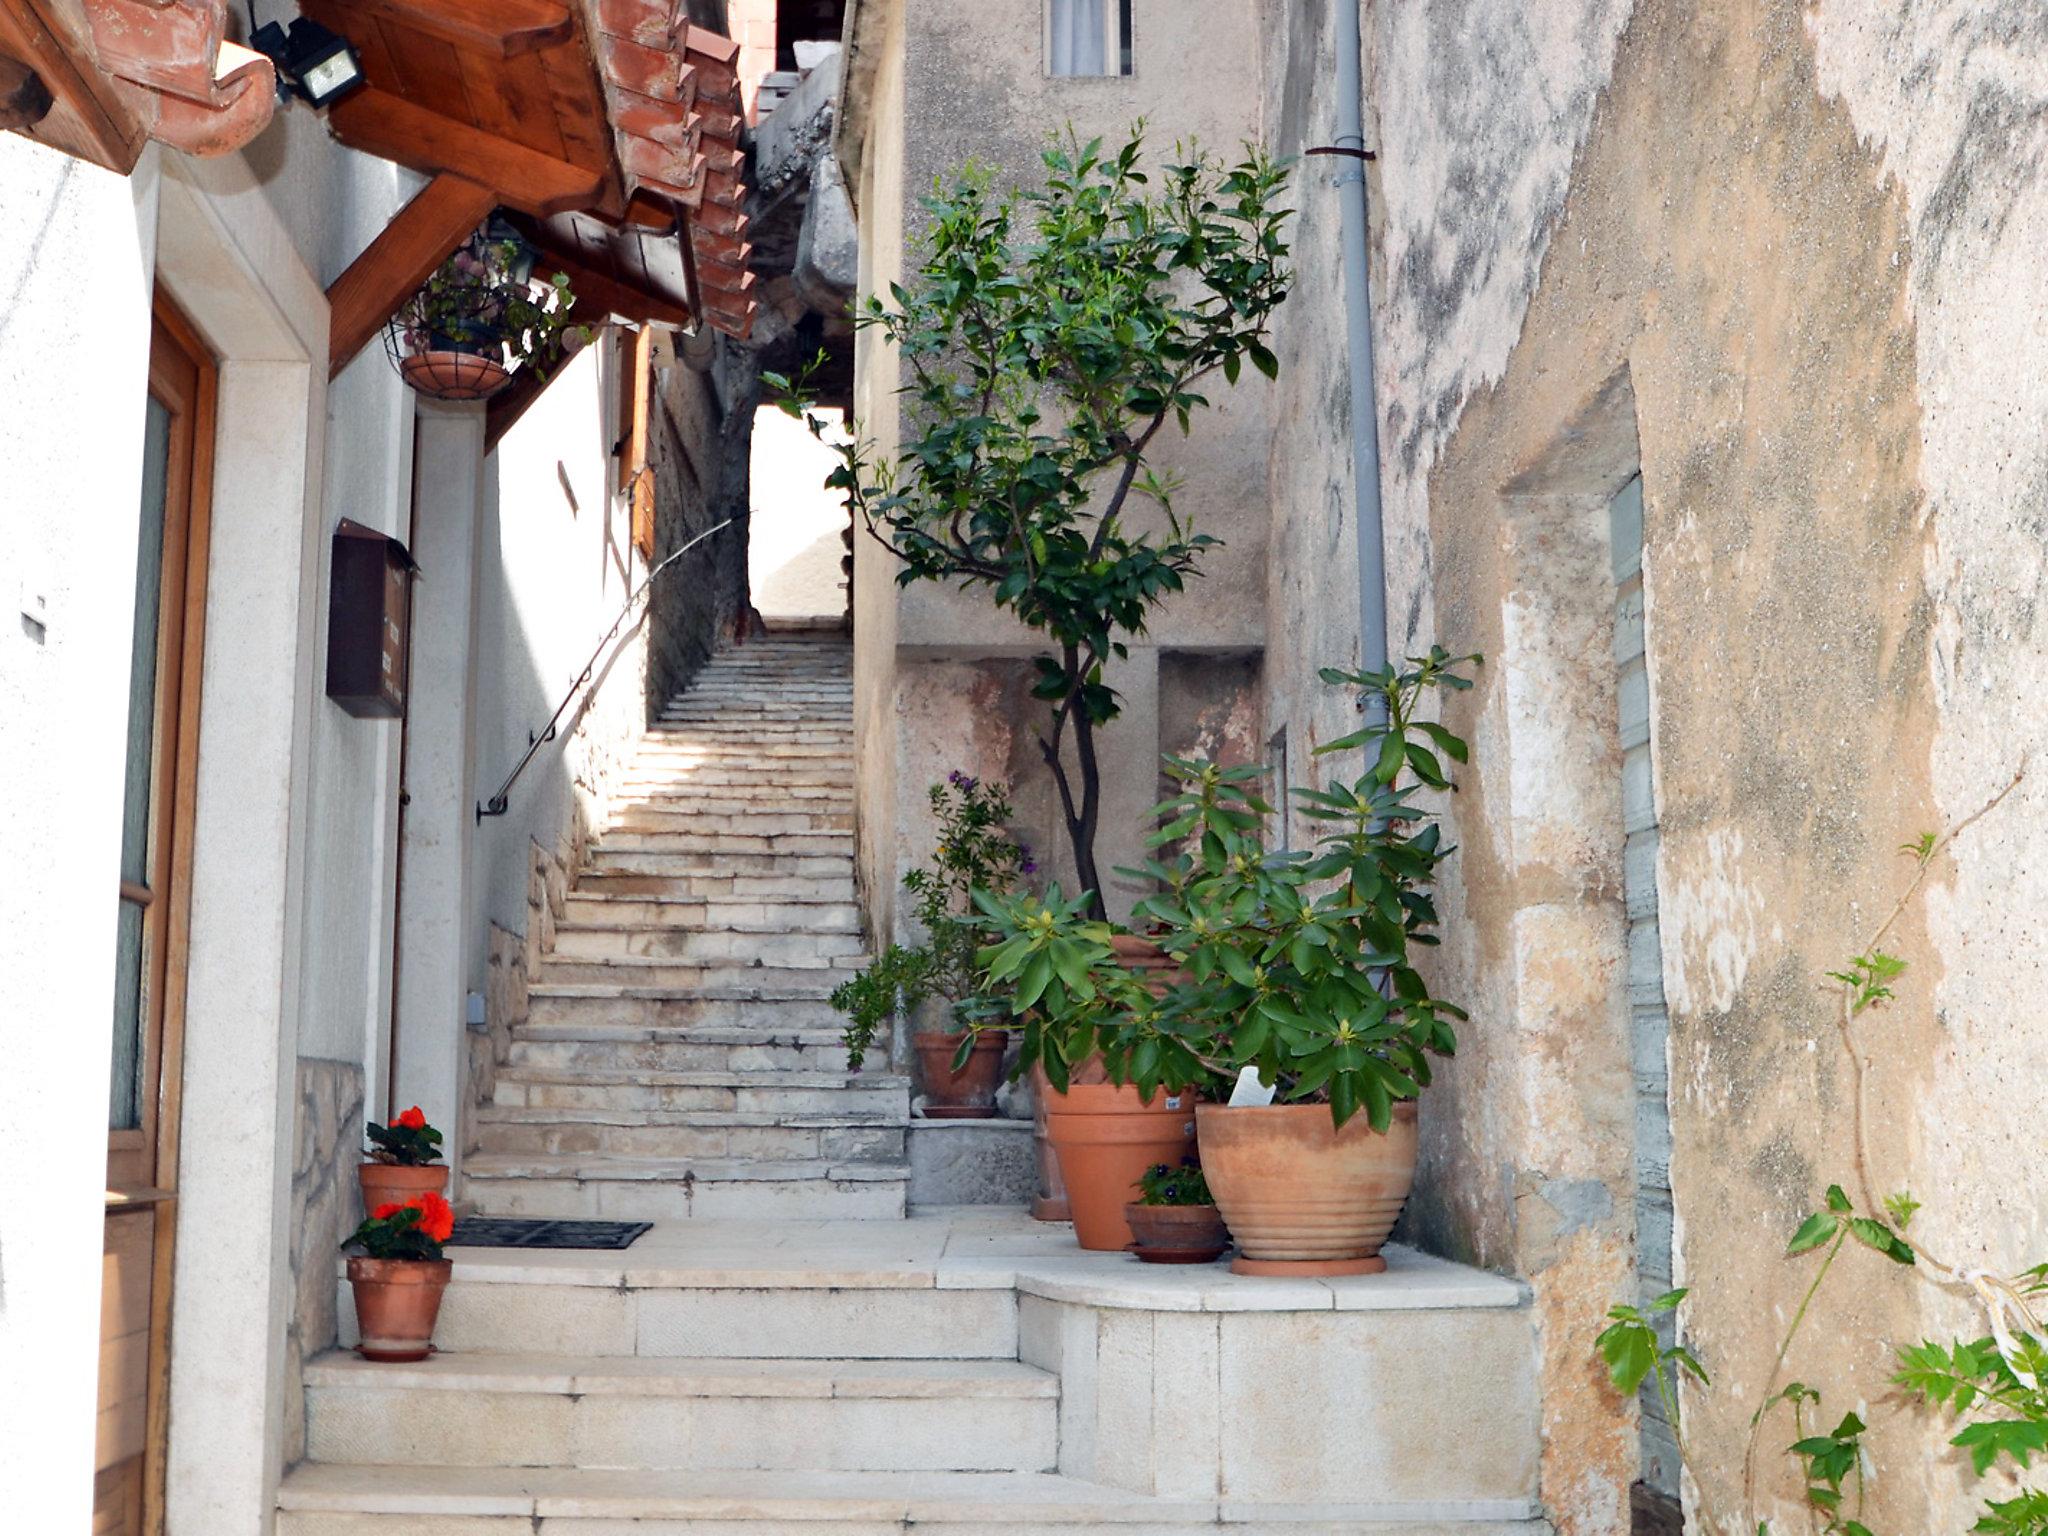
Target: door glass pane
149,590
125,1106
130,982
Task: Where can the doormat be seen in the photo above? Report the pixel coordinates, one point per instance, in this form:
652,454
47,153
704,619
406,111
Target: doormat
508,1232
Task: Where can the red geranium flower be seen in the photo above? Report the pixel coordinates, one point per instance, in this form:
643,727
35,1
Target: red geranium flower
389,1208
437,1216
413,1119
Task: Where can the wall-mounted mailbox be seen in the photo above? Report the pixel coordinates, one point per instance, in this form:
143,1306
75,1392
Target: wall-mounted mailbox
369,619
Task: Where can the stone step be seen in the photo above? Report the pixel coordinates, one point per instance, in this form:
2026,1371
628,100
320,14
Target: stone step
716,885
598,1007
697,1050
689,1133
796,725
536,1410
702,946
600,909
640,972
748,821
790,844
787,1094
638,781
796,867
683,1189
748,797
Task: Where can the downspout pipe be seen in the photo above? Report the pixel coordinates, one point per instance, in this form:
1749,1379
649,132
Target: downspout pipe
1365,417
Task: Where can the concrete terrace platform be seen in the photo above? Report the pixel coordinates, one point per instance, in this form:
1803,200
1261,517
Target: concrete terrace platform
961,1370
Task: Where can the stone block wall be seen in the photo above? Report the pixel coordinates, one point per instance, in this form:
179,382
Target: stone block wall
325,1207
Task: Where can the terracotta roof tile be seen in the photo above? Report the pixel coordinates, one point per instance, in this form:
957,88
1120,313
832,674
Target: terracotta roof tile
675,111
175,69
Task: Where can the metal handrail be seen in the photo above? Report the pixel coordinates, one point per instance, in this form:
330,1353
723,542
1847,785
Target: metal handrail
499,803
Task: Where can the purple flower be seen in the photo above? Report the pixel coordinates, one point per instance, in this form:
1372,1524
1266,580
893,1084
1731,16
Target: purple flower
1030,865
957,779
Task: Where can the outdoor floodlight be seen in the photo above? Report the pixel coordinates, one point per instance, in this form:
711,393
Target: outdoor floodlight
321,66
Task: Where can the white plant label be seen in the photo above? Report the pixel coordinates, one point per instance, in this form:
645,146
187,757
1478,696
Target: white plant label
1251,1090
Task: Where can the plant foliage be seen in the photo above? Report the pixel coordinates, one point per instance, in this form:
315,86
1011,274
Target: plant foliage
1048,337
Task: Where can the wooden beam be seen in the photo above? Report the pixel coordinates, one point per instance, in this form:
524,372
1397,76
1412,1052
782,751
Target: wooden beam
88,119
503,29
380,123
438,219
600,294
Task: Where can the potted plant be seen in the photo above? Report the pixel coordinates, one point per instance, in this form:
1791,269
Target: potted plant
399,1276
1299,965
1174,1220
404,1160
1118,1098
1049,337
481,315
935,982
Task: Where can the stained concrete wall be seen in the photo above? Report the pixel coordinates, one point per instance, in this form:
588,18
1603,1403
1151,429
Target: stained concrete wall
1778,258
932,83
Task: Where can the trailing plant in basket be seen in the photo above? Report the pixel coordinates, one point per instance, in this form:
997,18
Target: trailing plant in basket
1298,963
974,851
1050,336
474,301
408,1141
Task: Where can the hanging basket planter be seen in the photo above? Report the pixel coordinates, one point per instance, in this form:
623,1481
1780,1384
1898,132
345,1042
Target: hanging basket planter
449,374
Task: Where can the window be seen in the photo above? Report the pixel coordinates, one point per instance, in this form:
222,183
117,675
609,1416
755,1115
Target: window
1088,37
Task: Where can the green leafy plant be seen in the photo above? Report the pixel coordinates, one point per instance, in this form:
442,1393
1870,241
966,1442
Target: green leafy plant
414,1230
975,851
476,301
1049,337
1298,963
1166,1184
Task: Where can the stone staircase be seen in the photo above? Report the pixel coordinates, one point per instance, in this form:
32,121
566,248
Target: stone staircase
679,1059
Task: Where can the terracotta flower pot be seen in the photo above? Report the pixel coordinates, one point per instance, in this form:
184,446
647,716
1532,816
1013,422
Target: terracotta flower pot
395,1183
397,1301
1147,958
1300,1196
1106,1136
970,1093
452,375
1177,1234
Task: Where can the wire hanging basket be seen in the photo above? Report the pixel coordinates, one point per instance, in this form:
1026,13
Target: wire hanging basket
478,318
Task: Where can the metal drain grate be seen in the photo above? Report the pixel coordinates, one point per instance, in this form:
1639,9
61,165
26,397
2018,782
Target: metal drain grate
509,1232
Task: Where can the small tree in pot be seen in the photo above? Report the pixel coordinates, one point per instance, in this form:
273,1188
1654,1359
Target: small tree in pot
1051,336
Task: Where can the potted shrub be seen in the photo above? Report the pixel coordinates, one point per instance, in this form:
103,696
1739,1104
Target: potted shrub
399,1275
935,982
481,315
1118,1099
1174,1220
1298,964
404,1161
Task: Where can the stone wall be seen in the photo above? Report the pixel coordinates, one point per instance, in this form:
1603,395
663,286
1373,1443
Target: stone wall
325,1207
1779,259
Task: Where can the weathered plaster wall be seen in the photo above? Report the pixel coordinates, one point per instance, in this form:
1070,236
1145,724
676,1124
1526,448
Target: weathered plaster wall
1779,257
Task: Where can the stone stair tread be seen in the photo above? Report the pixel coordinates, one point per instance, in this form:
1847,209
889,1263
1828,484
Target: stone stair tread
779,1077
650,1376
703,1170
963,1498
733,1119
677,992
691,1034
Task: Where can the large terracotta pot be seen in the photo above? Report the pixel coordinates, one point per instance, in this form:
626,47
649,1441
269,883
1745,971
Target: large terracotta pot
397,1301
395,1183
970,1093
1176,1234
1106,1136
1300,1196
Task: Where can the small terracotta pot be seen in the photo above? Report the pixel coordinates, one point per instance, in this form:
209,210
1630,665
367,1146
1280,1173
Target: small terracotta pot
397,1301
1177,1234
1148,959
395,1183
970,1093
1300,1196
450,375
1106,1136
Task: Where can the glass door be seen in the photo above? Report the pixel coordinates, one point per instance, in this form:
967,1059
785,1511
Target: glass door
149,957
